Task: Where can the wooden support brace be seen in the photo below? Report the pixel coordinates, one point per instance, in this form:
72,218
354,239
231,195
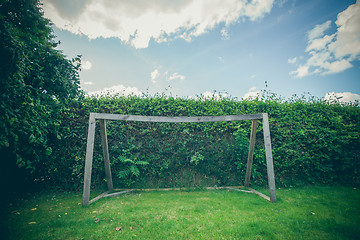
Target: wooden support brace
88,160
238,189
251,153
269,158
260,194
98,197
117,193
107,194
251,191
105,148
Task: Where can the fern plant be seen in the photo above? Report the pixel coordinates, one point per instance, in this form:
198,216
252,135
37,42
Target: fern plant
131,167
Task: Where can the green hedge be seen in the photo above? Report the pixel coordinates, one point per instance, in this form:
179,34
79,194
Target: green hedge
313,142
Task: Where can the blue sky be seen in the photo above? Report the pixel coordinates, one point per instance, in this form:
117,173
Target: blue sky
192,47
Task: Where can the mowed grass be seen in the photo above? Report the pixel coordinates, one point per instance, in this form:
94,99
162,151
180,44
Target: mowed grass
320,212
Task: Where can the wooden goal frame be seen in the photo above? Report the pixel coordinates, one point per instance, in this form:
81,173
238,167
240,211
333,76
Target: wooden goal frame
104,116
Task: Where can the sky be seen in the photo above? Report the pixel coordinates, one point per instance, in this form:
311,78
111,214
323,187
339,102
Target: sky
233,48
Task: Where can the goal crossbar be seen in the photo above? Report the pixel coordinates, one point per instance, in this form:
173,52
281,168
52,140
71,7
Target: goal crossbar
182,119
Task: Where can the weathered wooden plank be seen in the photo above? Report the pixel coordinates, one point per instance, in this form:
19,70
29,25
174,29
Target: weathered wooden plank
174,189
260,194
251,153
240,190
88,160
251,191
269,158
176,119
107,194
104,144
116,193
98,197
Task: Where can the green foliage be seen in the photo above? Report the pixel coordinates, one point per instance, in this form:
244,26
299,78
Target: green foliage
313,142
196,158
37,83
129,169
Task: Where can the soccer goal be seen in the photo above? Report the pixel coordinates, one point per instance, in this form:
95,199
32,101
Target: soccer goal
103,117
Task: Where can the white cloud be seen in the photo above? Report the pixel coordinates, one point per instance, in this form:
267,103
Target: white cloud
175,76
318,30
117,90
292,60
257,8
221,59
252,93
252,89
337,66
319,43
157,76
333,53
154,75
225,34
281,3
86,65
348,33
82,82
343,97
302,71
137,22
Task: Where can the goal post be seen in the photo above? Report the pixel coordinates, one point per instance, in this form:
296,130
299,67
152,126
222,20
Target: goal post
103,117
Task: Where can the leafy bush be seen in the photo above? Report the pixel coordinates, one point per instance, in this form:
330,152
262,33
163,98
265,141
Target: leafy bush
36,82
313,142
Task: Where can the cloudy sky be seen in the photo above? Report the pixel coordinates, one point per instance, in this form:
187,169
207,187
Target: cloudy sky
193,47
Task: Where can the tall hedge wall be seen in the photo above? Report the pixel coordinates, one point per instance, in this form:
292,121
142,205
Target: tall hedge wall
313,142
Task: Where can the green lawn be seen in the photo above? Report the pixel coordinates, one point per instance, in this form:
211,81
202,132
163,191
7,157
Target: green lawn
300,213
